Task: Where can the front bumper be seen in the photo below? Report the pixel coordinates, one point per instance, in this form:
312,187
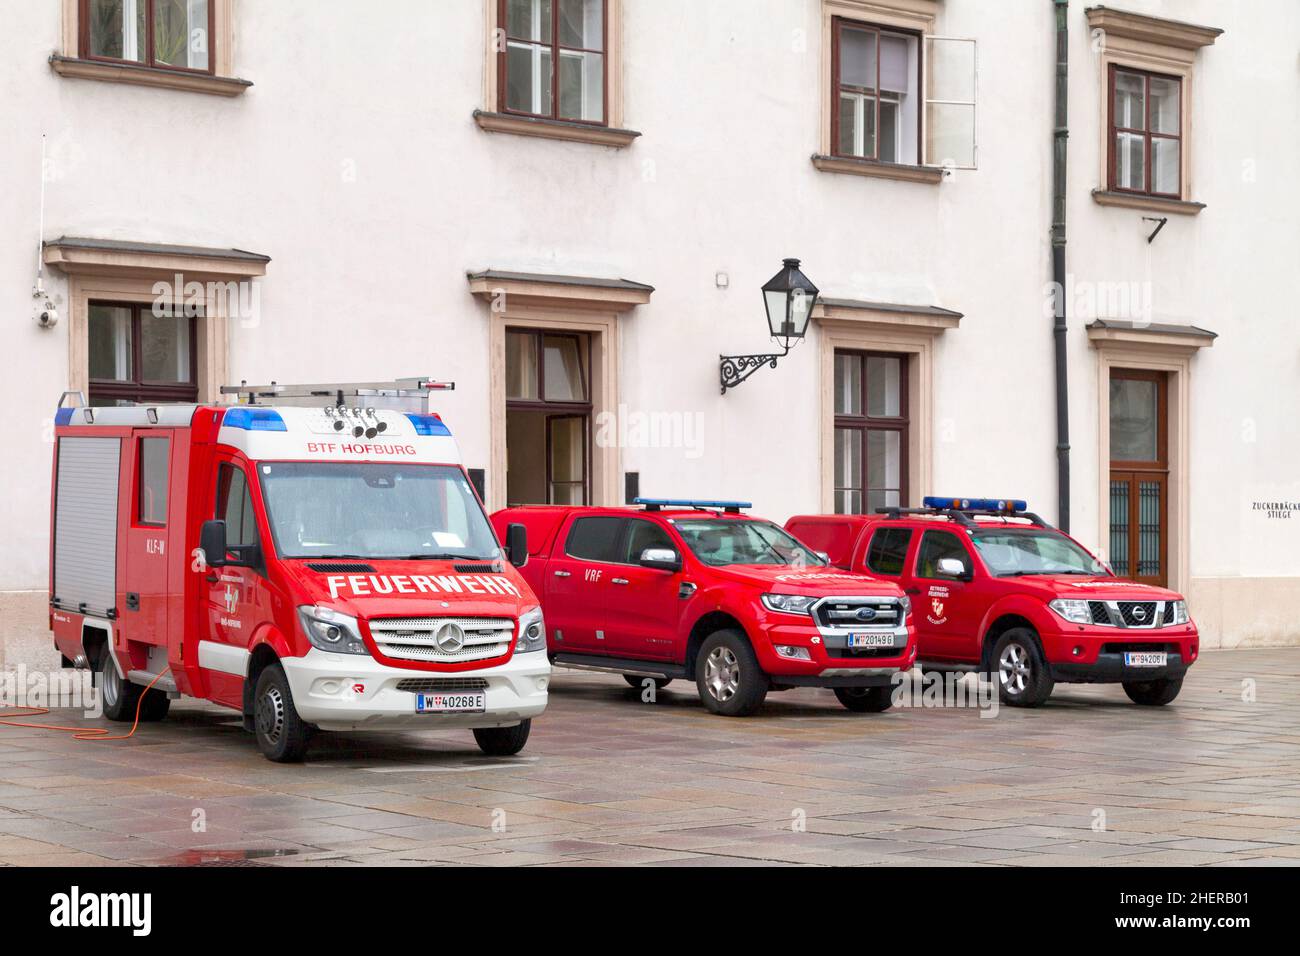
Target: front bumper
1095,654
832,663
356,692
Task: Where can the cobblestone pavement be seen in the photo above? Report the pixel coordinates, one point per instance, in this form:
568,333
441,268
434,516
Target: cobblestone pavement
606,779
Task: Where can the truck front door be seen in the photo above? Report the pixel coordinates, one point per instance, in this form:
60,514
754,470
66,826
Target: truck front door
577,578
642,604
237,597
947,608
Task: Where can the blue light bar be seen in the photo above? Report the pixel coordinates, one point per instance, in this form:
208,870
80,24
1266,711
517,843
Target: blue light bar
254,419
63,416
1008,505
428,424
690,503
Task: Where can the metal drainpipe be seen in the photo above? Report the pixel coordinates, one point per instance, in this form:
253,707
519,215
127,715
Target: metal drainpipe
1060,134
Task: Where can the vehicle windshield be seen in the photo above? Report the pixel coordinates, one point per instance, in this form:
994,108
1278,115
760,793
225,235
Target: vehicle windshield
1014,553
374,511
720,542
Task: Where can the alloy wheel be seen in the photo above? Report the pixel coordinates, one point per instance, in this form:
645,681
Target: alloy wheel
1014,669
722,674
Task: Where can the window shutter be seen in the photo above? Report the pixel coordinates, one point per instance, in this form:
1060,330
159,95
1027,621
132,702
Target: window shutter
951,77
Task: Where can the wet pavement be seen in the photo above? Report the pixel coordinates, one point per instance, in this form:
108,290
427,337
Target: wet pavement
1089,778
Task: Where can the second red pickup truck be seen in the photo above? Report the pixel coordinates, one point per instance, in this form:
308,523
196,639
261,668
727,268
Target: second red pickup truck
695,589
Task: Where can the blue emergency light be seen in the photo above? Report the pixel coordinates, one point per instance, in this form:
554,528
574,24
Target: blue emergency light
654,504
254,419
1007,505
428,424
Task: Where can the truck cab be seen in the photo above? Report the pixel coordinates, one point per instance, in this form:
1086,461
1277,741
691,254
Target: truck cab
312,564
995,588
697,590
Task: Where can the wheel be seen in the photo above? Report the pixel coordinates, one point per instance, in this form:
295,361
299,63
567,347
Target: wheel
503,741
727,675
156,705
119,696
1022,674
636,682
281,734
866,700
1153,693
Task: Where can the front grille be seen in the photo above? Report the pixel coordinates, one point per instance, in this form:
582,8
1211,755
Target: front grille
1137,613
430,685
1169,613
1100,613
847,613
324,567
415,638
860,652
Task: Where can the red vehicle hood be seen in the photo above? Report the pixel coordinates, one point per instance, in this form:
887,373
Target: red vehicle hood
1099,587
414,588
784,579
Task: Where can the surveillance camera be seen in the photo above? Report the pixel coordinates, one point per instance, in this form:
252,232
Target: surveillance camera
48,316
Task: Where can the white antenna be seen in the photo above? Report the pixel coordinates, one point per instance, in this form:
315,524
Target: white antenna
40,234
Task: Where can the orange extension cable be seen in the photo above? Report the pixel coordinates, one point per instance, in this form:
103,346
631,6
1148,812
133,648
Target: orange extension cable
82,733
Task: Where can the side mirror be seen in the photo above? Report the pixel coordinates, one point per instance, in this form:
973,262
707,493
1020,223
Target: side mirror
663,559
952,568
517,544
212,540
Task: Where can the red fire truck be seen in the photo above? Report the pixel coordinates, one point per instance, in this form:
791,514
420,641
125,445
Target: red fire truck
314,557
997,589
697,590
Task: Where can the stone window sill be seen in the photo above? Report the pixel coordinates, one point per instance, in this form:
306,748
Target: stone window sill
554,129
1179,207
148,76
870,167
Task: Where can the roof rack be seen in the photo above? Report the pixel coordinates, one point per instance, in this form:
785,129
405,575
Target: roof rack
963,516
403,394
657,504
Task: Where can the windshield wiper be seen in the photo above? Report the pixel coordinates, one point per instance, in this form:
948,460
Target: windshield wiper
444,556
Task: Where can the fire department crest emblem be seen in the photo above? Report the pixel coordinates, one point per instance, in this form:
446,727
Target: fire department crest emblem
937,607
232,599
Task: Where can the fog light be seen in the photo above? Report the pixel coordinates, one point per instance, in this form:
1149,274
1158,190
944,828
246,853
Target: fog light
1078,652
794,653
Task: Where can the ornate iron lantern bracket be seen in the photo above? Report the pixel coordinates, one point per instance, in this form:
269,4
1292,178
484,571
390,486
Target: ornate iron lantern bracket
734,369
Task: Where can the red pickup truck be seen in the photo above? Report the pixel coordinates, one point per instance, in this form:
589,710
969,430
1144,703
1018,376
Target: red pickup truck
695,589
998,590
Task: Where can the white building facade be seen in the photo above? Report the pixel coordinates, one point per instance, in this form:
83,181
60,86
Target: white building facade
568,207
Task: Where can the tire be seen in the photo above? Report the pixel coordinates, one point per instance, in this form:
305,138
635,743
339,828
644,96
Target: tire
1020,670
727,675
866,700
503,741
1153,693
156,705
281,734
119,696
635,682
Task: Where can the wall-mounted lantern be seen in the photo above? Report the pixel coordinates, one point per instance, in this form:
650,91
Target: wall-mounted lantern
789,298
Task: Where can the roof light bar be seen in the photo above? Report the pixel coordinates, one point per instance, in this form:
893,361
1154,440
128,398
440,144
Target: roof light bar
654,504
1007,505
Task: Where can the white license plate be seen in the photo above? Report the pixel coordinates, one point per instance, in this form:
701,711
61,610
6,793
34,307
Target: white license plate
1145,658
871,640
460,702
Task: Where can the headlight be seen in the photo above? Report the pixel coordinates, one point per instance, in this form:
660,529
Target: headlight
532,632
1076,612
789,603
905,603
1180,613
331,631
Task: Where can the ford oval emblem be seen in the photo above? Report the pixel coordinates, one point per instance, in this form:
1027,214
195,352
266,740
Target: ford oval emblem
866,614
